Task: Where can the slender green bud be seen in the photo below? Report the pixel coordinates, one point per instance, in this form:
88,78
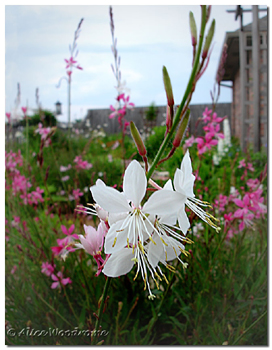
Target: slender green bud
182,129
193,29
168,87
208,40
137,139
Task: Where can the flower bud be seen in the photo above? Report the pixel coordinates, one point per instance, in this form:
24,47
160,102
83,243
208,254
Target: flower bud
168,87
193,29
182,129
208,13
208,40
169,118
137,139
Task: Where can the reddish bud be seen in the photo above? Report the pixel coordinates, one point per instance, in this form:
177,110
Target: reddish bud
208,40
193,29
168,87
182,129
137,139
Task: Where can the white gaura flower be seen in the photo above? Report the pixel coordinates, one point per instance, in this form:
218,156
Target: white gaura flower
184,183
147,257
130,223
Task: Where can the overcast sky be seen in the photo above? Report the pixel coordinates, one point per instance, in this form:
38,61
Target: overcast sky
37,40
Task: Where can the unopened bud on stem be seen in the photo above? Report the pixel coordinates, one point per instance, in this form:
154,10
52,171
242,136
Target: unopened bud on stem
137,139
168,87
208,13
208,40
182,129
193,29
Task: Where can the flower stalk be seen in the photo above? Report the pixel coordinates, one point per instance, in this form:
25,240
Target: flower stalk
187,93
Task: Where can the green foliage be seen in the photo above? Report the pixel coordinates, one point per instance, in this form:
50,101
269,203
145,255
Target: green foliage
151,113
44,116
217,299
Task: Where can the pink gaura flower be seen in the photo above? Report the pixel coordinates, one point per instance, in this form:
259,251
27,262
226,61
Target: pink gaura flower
47,268
13,269
65,178
8,115
82,164
69,232
63,246
59,280
65,168
93,243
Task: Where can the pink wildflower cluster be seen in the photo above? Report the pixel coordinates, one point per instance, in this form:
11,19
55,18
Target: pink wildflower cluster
71,62
64,244
212,131
247,166
82,164
12,160
120,111
44,132
19,183
248,206
58,278
76,194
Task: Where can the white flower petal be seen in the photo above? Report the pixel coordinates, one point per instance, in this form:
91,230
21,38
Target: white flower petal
114,217
110,199
168,185
183,220
155,253
113,233
164,202
135,183
171,252
119,263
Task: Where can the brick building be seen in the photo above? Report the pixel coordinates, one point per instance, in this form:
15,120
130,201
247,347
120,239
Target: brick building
246,68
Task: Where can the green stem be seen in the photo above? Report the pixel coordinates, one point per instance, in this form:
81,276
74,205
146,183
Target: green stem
53,309
71,307
249,328
186,94
155,318
100,312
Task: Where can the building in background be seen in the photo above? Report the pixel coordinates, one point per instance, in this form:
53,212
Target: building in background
246,69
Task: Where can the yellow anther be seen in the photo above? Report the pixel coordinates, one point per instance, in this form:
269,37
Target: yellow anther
135,261
166,255
156,274
175,251
135,276
133,249
170,267
163,241
127,243
157,284
115,239
151,239
145,281
166,280
120,230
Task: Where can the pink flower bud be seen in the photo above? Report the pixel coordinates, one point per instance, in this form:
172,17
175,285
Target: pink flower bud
193,29
168,87
137,139
182,129
208,40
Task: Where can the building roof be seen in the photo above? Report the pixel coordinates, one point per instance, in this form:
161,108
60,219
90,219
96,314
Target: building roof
232,41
